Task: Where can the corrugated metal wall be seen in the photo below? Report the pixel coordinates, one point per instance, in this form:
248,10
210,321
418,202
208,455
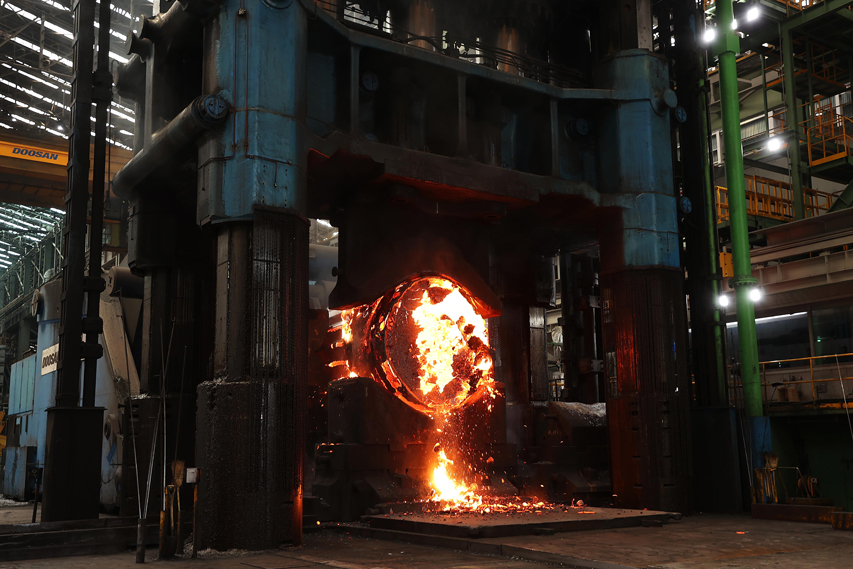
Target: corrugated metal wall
22,383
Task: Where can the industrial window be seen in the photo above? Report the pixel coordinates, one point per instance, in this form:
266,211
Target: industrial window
844,103
752,128
833,331
783,337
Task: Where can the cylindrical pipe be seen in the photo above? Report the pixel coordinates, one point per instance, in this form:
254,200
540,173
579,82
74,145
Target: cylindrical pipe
202,114
743,281
330,6
122,282
567,311
140,541
792,116
720,393
421,22
195,509
129,79
164,529
510,39
162,542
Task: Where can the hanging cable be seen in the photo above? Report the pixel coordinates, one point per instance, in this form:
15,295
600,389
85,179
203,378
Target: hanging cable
844,395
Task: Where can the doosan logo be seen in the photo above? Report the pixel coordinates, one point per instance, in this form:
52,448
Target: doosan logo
49,359
35,153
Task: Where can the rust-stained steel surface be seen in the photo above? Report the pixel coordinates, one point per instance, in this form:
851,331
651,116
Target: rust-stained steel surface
647,385
794,513
842,520
480,525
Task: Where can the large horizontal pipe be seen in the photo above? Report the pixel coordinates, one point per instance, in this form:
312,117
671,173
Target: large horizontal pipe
129,79
201,115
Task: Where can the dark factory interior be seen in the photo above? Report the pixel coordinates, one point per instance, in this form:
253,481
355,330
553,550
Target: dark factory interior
423,283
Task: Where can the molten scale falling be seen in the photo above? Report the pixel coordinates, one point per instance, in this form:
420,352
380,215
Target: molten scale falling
454,362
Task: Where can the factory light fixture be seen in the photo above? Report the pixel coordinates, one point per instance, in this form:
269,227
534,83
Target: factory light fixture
755,294
723,300
710,34
734,23
774,143
752,14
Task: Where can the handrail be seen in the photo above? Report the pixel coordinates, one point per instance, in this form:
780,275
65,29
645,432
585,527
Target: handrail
831,137
833,356
734,384
795,4
773,199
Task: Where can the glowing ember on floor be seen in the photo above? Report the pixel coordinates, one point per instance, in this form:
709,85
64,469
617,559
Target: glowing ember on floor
451,491
493,505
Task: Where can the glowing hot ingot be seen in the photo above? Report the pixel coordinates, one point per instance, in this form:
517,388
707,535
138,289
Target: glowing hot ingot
451,333
433,353
424,341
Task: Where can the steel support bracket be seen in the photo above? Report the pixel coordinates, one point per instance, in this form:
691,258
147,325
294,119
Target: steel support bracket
726,42
94,351
93,324
742,281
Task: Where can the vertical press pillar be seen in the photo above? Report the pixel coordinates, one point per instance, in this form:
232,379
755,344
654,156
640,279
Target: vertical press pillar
250,418
743,280
253,193
647,387
644,328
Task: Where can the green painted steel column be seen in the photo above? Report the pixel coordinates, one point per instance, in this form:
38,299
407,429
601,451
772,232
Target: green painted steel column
727,48
792,116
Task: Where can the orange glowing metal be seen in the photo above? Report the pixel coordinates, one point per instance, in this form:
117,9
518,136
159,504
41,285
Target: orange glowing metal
436,358
454,492
346,331
436,354
447,326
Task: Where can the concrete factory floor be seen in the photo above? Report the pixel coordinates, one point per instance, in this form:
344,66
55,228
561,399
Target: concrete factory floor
697,542
700,542
12,512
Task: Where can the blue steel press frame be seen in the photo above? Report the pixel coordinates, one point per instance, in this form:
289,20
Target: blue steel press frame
256,59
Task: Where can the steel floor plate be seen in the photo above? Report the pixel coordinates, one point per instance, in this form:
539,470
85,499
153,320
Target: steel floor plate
481,525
